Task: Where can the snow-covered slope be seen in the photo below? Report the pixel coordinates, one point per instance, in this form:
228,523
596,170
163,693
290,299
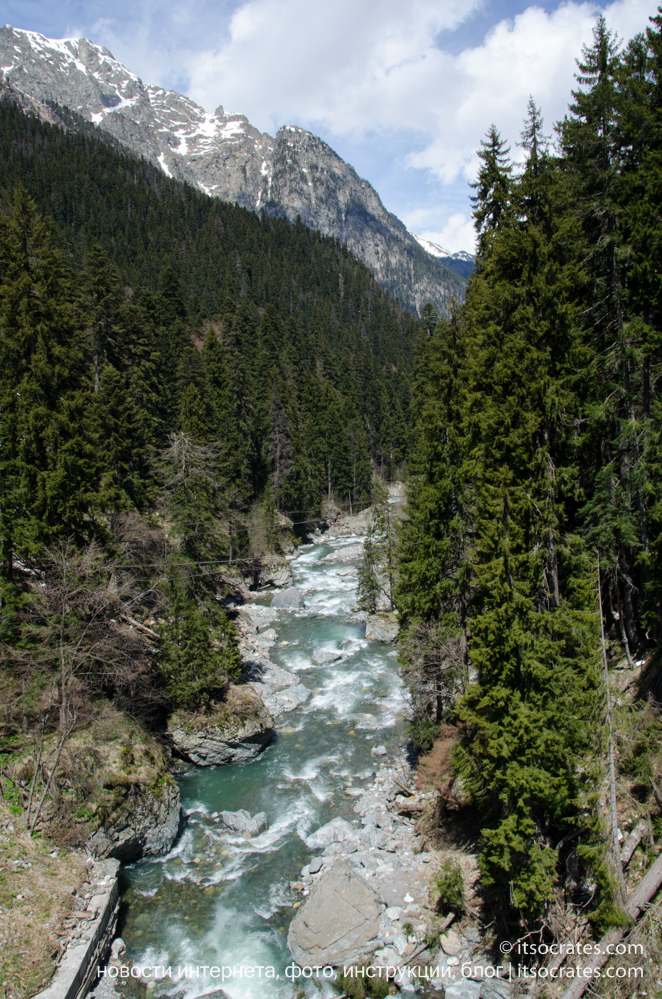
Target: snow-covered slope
293,174
461,262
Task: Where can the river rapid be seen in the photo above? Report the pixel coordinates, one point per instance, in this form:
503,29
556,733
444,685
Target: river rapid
219,899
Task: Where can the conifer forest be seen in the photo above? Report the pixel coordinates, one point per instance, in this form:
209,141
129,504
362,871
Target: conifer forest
186,386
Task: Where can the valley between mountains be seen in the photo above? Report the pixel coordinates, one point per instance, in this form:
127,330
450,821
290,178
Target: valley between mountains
330,577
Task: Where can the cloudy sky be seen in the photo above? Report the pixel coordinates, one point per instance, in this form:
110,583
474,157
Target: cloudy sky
404,91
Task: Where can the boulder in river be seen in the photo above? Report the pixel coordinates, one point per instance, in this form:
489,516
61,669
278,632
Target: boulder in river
232,731
381,627
290,599
336,831
242,822
322,656
275,570
338,920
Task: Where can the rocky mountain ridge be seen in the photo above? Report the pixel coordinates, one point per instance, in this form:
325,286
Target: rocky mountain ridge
294,174
461,262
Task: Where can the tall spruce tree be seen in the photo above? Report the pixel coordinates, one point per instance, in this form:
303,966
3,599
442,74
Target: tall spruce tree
530,644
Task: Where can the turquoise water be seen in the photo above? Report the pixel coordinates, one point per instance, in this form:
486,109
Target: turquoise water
219,899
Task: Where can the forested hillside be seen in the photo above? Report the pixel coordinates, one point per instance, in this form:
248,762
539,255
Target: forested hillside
175,372
166,259
535,483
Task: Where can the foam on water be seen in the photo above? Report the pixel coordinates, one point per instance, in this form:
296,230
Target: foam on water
218,898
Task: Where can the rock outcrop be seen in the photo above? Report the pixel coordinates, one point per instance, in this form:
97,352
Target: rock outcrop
337,921
145,825
126,803
274,570
233,731
381,627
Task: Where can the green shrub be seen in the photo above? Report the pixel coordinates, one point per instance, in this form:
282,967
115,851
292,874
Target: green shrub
450,885
362,987
423,732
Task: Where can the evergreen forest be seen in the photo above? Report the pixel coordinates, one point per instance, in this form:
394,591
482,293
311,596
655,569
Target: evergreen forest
184,385
533,528
174,367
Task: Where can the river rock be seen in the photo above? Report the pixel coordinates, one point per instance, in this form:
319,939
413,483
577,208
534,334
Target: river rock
336,831
279,689
322,656
275,570
233,731
496,988
145,825
337,920
463,989
373,836
381,627
290,599
242,822
451,943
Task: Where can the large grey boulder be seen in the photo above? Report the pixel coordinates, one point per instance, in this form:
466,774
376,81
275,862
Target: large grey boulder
374,836
275,570
291,599
336,831
242,821
322,656
236,730
463,988
381,627
337,921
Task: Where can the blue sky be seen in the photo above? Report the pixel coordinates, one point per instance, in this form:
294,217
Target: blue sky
402,91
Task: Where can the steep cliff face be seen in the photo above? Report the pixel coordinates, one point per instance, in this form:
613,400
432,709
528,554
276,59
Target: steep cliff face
295,174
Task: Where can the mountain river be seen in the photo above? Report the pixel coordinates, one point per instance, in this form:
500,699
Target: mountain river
219,899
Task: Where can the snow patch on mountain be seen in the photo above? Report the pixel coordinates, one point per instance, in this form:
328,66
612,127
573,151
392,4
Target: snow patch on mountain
438,251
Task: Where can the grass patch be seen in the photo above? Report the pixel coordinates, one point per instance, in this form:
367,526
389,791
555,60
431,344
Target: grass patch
36,896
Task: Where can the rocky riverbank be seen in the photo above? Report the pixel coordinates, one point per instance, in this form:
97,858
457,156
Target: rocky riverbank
368,896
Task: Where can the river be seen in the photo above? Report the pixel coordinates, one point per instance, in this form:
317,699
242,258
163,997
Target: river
218,899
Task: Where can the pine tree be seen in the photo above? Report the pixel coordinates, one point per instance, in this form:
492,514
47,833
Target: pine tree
530,644
491,201
198,653
50,457
377,566
593,147
103,300
126,479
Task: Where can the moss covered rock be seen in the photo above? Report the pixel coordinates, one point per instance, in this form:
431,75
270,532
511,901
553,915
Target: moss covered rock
234,730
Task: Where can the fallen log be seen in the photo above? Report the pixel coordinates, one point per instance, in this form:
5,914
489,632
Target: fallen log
633,841
411,807
642,895
139,626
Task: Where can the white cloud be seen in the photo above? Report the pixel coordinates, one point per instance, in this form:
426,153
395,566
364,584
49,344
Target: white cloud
360,66
457,234
341,64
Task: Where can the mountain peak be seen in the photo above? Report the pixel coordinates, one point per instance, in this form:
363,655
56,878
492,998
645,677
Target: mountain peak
294,174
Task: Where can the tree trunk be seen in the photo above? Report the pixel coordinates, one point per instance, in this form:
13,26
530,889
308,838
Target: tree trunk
646,890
